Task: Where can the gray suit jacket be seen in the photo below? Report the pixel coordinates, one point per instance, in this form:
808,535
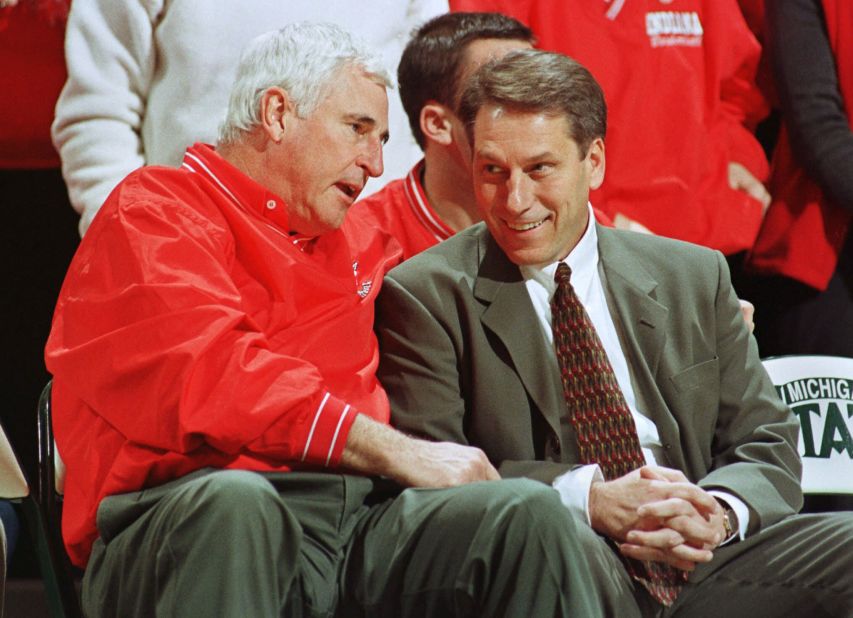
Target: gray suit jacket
464,359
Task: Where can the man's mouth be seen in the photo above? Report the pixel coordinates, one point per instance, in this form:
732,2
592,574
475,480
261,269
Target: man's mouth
351,190
521,226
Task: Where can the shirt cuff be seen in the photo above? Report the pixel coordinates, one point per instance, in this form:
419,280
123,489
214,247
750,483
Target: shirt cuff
740,509
573,487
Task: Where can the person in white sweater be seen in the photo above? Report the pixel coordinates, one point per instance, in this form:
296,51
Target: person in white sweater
147,78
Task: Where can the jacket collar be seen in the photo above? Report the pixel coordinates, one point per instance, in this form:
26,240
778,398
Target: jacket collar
640,320
242,190
510,316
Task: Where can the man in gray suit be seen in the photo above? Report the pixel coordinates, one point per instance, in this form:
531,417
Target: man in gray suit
466,335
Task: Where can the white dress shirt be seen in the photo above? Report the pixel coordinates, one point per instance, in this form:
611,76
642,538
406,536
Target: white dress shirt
574,486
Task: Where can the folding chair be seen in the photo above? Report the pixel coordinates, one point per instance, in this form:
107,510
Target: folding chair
59,584
62,591
819,389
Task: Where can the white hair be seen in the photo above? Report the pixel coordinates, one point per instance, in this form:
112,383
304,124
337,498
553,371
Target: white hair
303,59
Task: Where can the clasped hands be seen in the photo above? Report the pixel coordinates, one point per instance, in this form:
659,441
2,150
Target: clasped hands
655,513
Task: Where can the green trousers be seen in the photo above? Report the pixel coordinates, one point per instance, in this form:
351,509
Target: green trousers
801,567
238,543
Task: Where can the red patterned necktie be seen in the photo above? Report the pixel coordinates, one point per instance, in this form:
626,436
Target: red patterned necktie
603,423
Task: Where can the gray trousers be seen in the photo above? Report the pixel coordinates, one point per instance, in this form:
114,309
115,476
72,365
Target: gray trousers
801,567
237,543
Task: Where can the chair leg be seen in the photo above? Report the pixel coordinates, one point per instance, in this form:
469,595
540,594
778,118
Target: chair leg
55,568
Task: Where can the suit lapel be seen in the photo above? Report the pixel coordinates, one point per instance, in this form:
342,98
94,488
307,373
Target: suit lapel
641,322
510,316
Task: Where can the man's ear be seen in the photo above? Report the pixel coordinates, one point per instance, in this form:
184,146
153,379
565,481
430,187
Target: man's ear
436,123
595,161
276,107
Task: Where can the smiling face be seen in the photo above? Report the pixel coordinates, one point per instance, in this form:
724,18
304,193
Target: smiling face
321,162
532,182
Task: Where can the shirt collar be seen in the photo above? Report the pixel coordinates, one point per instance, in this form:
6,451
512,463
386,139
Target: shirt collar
241,189
423,210
582,259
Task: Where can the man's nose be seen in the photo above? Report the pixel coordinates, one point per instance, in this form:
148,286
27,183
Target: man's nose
370,158
518,192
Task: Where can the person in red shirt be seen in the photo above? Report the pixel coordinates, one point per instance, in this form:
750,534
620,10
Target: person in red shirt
803,256
214,395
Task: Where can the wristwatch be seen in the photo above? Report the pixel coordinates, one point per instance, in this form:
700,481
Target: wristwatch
730,524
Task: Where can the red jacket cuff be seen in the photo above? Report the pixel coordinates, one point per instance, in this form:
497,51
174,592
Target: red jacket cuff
328,433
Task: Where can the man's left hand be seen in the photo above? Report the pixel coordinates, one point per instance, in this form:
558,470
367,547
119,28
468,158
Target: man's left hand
675,531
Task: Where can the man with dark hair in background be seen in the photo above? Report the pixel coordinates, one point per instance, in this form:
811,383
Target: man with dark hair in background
435,199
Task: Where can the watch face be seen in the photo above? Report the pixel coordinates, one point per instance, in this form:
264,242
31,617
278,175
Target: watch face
729,519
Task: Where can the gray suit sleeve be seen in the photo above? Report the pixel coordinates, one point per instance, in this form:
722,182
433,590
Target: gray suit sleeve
421,369
418,367
754,446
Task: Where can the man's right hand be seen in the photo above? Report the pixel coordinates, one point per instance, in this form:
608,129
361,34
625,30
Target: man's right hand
443,464
377,449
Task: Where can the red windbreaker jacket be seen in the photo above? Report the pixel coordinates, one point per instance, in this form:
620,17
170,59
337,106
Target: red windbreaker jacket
193,330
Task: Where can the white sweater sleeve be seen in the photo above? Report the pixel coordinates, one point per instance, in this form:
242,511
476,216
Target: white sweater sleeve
109,50
420,11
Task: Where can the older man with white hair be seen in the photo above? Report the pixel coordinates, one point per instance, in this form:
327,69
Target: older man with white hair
214,396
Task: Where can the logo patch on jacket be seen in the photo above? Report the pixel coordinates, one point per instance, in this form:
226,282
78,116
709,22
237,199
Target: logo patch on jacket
364,290
674,29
